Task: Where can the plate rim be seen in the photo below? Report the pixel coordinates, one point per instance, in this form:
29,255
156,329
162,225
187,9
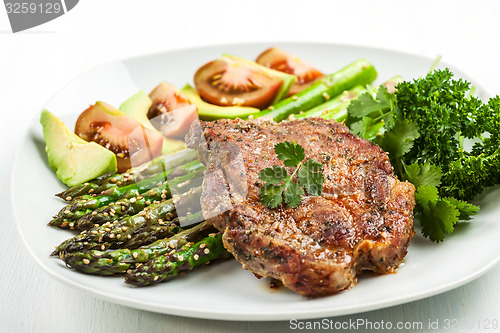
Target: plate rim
235,316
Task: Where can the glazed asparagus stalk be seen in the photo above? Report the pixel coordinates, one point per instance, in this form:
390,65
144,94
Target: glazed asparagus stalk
360,72
104,182
128,206
187,258
85,205
152,223
89,187
116,235
122,260
332,103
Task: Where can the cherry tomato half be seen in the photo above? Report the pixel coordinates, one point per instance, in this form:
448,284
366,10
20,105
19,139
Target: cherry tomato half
284,62
171,112
229,82
132,143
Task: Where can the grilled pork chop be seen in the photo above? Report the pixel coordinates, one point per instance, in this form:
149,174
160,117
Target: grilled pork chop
362,221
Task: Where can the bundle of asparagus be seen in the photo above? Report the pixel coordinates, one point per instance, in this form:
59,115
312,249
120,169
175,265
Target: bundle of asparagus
104,182
126,224
124,260
139,195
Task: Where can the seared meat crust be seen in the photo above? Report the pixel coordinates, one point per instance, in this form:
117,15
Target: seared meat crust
362,221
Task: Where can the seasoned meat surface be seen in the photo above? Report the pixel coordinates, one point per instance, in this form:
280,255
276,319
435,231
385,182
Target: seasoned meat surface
362,221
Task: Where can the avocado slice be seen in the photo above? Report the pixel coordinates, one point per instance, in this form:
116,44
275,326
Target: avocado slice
137,107
73,159
287,79
207,111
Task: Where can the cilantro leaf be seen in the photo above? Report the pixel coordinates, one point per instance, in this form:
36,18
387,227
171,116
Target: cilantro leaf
311,178
423,174
399,140
361,127
368,110
466,209
274,175
438,216
271,195
395,112
439,219
290,153
279,184
365,105
292,194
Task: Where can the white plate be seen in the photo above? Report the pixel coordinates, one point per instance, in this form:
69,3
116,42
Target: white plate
225,290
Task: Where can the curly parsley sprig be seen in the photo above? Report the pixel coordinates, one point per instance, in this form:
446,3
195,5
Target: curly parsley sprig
279,184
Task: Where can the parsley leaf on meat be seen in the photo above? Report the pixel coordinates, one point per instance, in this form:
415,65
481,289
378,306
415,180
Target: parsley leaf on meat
293,194
273,175
290,153
270,195
280,185
311,178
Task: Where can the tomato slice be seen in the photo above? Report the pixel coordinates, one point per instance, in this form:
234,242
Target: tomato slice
165,98
132,143
230,82
284,62
171,112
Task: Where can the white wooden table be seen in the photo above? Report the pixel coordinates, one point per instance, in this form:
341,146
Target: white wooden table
36,63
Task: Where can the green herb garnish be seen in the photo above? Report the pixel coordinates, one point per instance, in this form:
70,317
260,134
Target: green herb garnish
425,126
279,184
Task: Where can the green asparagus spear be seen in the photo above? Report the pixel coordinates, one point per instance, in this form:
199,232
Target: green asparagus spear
375,130
339,112
149,183
87,204
126,206
151,224
162,173
115,235
85,188
332,103
187,258
360,72
122,260
140,229
104,182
